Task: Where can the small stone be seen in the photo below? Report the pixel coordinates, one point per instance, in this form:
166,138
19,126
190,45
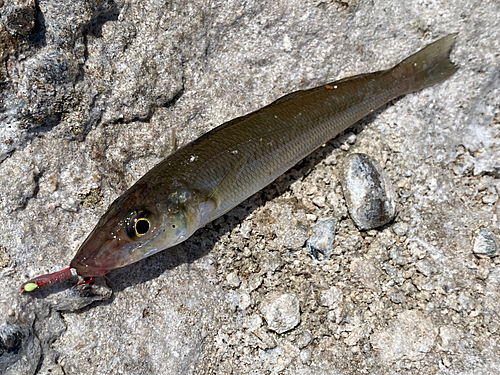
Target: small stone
397,297
446,362
254,281
304,339
320,245
349,138
490,199
305,356
400,229
233,299
245,301
424,267
319,201
331,297
333,316
282,313
369,194
331,160
390,270
266,341
344,147
270,262
485,244
233,280
407,173
450,337
367,272
311,217
20,352
253,323
396,256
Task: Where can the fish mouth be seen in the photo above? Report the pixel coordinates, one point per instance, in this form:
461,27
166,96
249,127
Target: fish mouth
83,269
101,253
95,261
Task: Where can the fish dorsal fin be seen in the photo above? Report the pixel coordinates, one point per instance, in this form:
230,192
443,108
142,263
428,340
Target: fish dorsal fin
287,97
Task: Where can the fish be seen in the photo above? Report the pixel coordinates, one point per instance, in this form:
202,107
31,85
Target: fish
214,173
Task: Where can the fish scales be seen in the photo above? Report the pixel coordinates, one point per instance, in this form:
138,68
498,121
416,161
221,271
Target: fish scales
241,157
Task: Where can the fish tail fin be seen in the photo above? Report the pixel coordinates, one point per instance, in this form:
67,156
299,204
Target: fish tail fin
428,66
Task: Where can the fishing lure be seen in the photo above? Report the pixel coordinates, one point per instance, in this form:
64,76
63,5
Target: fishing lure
214,173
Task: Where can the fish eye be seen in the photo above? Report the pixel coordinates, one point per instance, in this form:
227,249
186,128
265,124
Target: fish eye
141,226
138,224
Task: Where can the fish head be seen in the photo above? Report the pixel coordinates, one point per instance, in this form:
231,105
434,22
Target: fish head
134,228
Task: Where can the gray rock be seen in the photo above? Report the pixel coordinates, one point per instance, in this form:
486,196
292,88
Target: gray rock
46,86
305,356
266,340
304,339
424,267
369,194
485,244
281,312
490,199
19,349
368,273
320,245
400,228
233,280
331,297
397,256
397,297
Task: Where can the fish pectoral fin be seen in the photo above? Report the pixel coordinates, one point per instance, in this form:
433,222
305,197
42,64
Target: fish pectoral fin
230,178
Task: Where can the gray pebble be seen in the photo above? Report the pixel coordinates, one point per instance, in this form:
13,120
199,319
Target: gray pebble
396,256
320,245
397,297
409,336
266,340
282,313
490,199
424,267
305,356
400,229
485,244
47,83
14,342
304,339
390,270
368,193
245,301
331,298
233,280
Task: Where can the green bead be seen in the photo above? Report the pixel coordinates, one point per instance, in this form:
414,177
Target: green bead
30,287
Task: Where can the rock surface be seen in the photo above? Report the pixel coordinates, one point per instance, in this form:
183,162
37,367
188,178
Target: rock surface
93,93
